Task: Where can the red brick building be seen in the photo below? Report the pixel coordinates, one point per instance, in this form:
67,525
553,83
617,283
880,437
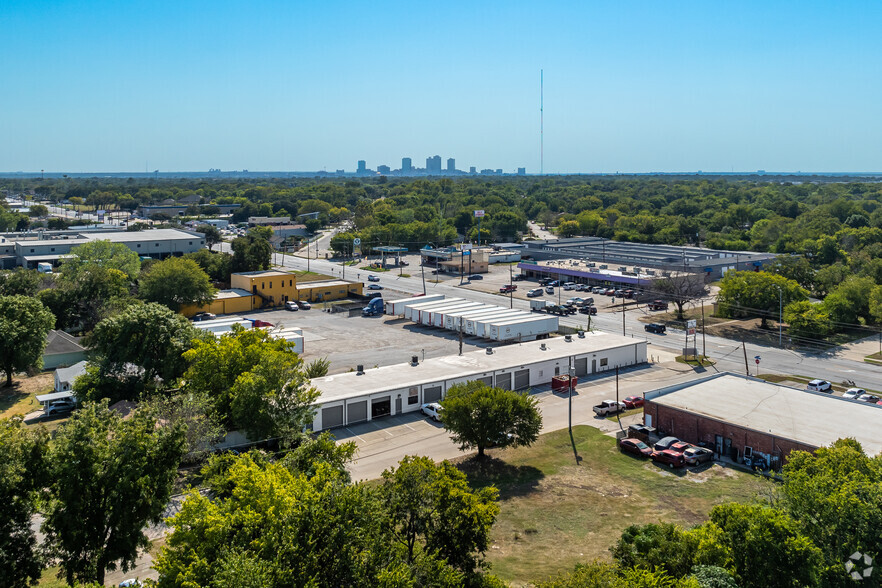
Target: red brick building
734,415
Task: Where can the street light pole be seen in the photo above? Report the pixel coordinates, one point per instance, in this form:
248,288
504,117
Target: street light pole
780,314
572,373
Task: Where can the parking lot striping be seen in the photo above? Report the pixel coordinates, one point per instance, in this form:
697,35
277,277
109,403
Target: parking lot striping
354,435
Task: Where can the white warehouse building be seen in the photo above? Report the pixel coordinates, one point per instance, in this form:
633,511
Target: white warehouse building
396,389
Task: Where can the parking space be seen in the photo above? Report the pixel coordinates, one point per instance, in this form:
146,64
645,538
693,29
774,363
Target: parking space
373,341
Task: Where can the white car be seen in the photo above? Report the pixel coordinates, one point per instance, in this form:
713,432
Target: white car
291,305
819,386
60,406
432,410
854,393
130,583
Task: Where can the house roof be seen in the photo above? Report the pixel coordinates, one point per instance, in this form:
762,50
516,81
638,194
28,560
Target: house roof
69,374
58,342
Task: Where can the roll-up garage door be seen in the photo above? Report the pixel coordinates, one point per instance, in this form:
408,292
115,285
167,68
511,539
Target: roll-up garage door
582,366
488,380
432,394
503,381
357,412
332,417
522,379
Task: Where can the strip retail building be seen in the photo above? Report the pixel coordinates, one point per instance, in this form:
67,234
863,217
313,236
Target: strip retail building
363,396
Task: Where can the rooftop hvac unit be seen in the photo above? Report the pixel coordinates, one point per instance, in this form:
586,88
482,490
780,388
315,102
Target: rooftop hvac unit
591,264
603,266
650,272
623,268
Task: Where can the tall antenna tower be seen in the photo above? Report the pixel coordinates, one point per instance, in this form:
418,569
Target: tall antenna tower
541,122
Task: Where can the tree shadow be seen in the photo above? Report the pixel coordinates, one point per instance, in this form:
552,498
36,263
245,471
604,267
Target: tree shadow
575,451
510,480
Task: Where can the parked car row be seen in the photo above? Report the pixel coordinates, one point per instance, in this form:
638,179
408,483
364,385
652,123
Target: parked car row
670,451
294,305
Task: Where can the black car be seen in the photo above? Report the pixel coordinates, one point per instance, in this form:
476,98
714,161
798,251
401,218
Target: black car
655,328
518,277
588,310
476,277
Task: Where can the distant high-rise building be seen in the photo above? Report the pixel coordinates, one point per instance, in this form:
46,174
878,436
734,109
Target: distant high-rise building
473,170
406,165
451,165
499,171
384,169
522,171
433,165
362,167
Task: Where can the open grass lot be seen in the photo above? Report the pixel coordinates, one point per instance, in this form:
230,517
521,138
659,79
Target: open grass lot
21,398
555,513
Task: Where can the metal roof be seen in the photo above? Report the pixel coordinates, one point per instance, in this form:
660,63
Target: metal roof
812,418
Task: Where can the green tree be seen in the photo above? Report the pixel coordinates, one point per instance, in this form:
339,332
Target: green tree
273,399
24,324
793,267
713,577
216,363
318,368
194,413
849,302
252,252
104,254
283,528
38,210
20,281
568,228
478,416
321,449
109,478
22,475
216,265
596,574
82,298
148,336
662,545
681,290
836,495
807,320
433,509
176,282
757,294
212,235
767,546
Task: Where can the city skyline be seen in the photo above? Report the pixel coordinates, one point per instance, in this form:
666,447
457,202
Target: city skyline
644,88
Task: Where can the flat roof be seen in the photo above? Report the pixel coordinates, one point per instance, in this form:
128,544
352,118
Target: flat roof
263,273
325,284
812,418
147,235
62,241
52,257
232,293
41,398
451,367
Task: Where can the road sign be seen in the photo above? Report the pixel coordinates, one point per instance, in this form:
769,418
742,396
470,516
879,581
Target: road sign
479,213
690,332
690,324
356,241
757,359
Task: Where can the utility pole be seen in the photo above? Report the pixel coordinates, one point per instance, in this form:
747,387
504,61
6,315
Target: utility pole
780,314
572,373
623,316
746,366
703,340
460,335
423,268
619,413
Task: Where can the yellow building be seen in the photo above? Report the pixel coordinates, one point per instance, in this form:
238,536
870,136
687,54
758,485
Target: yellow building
273,287
328,290
262,289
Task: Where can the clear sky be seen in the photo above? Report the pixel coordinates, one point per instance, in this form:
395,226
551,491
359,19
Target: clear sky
635,86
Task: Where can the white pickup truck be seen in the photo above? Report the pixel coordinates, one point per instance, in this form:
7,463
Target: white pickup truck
608,407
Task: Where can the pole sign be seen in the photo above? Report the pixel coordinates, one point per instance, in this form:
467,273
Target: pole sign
690,327
356,241
757,359
479,213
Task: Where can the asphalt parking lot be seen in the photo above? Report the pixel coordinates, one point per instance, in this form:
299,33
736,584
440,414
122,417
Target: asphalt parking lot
372,341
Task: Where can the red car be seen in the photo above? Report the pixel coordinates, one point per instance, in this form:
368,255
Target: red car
636,447
680,446
508,288
672,458
633,402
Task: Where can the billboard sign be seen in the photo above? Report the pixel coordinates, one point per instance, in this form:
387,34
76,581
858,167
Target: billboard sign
479,213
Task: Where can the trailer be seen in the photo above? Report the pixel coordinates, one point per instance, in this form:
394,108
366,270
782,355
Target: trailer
538,305
396,307
525,329
412,311
452,320
435,317
472,325
440,319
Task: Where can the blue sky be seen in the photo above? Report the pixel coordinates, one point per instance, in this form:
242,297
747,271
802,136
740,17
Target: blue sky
265,85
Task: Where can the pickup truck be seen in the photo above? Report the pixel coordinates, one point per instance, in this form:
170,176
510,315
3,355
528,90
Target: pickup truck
508,288
657,305
608,407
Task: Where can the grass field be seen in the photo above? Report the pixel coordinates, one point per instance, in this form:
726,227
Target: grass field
21,398
561,506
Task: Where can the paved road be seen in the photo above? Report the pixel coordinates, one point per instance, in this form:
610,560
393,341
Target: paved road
834,365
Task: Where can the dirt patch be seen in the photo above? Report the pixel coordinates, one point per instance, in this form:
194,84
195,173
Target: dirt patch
21,399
